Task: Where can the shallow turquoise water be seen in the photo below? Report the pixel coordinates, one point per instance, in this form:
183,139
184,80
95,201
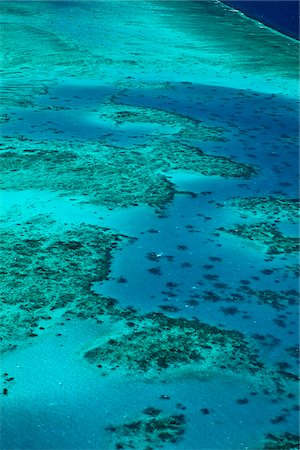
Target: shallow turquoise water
194,60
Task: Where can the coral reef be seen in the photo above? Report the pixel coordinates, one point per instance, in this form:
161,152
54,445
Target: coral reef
107,175
278,300
7,382
103,175
268,208
286,441
161,347
266,235
157,343
178,125
151,429
174,155
47,270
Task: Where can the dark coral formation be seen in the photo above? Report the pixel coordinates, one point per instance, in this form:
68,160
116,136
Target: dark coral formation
266,235
48,270
179,156
269,208
7,382
152,429
293,270
286,441
157,345
107,175
278,300
102,175
177,124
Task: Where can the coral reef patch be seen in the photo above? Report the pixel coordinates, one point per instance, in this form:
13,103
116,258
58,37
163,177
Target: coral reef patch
48,269
7,382
149,430
178,125
278,300
286,441
269,208
266,235
105,174
158,346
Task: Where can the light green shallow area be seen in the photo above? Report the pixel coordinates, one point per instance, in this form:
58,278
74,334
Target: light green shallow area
43,47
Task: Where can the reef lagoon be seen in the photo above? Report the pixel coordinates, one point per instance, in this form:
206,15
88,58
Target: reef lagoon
149,228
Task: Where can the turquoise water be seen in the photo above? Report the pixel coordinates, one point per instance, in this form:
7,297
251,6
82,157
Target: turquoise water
150,156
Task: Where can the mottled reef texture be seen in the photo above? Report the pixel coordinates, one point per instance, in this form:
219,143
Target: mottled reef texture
150,429
157,346
268,208
177,125
278,300
103,175
6,383
286,441
267,213
107,175
47,269
267,235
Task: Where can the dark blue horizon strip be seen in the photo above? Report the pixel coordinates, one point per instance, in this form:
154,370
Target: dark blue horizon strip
282,16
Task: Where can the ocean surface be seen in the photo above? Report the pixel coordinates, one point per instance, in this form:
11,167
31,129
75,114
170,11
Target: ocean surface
149,228
282,15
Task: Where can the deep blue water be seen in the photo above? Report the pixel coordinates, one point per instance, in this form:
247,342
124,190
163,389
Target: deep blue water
280,15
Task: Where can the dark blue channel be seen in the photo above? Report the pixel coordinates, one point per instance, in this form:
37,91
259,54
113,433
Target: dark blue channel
282,15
